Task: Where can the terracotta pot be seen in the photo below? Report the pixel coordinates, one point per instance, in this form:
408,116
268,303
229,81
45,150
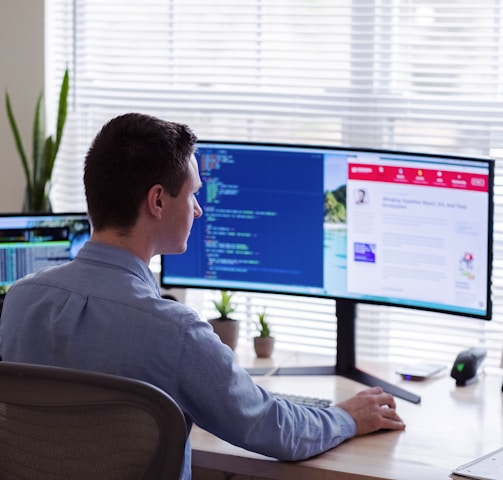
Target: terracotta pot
264,346
227,329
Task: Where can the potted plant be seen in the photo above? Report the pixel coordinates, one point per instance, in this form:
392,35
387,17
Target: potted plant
225,327
38,172
264,342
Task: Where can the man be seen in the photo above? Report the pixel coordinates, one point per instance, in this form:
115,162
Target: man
103,310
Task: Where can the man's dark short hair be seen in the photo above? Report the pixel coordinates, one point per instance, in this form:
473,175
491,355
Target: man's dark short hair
130,154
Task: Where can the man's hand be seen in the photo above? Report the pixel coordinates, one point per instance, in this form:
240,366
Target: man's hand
372,410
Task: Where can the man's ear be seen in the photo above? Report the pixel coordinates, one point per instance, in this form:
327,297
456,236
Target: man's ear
156,200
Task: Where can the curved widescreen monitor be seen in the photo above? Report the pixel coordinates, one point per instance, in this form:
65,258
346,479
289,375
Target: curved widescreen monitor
377,226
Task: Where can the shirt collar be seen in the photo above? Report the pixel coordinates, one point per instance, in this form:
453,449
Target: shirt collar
117,257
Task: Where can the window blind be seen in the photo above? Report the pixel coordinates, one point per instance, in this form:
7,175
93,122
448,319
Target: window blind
411,75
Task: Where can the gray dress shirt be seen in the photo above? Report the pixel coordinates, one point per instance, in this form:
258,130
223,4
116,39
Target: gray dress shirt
103,312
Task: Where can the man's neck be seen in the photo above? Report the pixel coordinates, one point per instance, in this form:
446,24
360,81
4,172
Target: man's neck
129,242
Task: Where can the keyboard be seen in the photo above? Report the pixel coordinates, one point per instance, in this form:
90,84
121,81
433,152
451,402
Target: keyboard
304,400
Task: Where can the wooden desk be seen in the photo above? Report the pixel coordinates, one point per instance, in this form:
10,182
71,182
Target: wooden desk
451,426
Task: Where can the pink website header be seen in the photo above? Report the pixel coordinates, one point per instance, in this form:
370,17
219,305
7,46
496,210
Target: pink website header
419,176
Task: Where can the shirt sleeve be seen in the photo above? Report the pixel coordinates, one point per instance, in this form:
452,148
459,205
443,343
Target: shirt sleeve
223,399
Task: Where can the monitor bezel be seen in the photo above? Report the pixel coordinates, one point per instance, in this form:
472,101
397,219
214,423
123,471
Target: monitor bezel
44,214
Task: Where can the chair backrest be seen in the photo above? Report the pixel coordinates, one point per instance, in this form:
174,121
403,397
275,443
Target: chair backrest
59,423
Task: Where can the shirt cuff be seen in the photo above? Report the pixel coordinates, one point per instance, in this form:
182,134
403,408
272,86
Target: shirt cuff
346,422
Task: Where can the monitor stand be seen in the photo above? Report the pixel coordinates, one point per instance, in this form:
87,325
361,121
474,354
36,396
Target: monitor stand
345,365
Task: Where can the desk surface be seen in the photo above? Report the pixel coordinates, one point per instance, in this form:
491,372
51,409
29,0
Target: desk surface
451,426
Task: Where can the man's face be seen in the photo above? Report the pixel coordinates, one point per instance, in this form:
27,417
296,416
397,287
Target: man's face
181,212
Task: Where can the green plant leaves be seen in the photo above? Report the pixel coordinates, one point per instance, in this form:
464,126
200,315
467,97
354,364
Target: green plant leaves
62,109
44,149
224,306
17,137
38,144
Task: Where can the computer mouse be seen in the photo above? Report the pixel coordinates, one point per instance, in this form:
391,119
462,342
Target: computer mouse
466,365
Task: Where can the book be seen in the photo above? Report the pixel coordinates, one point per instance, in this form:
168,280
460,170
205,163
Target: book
487,467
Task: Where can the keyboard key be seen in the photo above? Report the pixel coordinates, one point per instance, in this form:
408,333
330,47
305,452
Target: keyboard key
304,400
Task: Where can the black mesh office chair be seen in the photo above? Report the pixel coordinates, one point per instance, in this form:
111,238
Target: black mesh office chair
69,424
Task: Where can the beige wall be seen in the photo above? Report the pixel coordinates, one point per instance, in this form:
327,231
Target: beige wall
22,74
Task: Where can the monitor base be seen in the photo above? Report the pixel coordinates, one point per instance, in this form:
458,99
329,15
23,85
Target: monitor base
354,374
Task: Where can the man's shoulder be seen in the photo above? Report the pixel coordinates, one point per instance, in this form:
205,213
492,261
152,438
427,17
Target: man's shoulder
45,274
173,309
